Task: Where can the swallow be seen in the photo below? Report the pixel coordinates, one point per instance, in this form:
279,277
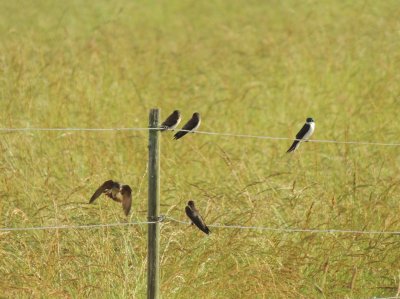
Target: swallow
305,133
117,192
195,217
190,126
172,121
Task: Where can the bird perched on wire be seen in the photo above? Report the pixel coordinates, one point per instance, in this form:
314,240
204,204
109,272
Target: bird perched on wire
117,192
306,131
190,126
172,121
195,217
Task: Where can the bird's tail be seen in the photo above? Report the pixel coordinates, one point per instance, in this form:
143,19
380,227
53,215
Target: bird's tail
207,230
294,146
180,134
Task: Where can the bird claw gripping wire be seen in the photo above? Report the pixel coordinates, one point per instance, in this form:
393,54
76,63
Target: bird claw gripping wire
156,219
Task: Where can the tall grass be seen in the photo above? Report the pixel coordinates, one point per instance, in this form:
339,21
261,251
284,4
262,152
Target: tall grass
257,67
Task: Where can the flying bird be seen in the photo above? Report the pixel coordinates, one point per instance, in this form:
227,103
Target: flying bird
196,218
117,192
190,126
305,133
172,121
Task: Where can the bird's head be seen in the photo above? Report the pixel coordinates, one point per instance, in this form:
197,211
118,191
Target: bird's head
191,203
126,189
309,120
177,112
196,115
115,185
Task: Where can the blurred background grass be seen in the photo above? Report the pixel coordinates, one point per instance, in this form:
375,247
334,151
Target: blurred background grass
255,67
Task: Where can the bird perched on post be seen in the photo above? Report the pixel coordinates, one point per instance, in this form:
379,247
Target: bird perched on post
117,192
172,121
190,126
195,217
305,133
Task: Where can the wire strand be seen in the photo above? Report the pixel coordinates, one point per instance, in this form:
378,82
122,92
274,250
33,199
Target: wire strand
72,129
162,218
293,230
84,226
9,130
292,139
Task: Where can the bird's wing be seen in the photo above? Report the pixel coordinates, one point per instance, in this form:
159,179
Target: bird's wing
189,212
204,227
303,131
197,220
126,199
106,185
190,125
294,146
180,134
170,121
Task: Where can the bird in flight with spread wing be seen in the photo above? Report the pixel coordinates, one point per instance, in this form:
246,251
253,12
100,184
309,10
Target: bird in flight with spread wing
195,217
117,192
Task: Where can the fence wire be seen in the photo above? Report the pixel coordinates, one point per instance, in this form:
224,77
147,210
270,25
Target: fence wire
223,134
215,225
83,226
293,230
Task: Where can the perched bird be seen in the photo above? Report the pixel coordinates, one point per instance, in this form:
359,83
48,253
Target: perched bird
194,215
305,133
190,126
117,192
172,121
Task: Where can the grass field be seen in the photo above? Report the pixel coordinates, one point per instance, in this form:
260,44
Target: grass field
249,67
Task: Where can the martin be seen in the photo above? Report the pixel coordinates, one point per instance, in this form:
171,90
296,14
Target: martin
196,218
305,133
172,121
117,192
190,126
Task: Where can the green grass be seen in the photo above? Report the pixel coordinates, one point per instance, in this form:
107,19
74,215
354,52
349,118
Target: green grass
251,67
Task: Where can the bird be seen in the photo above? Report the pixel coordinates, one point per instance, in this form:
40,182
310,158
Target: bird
117,192
195,217
305,133
190,126
172,121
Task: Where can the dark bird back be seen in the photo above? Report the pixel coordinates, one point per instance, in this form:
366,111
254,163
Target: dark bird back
195,217
172,121
305,132
190,126
126,192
